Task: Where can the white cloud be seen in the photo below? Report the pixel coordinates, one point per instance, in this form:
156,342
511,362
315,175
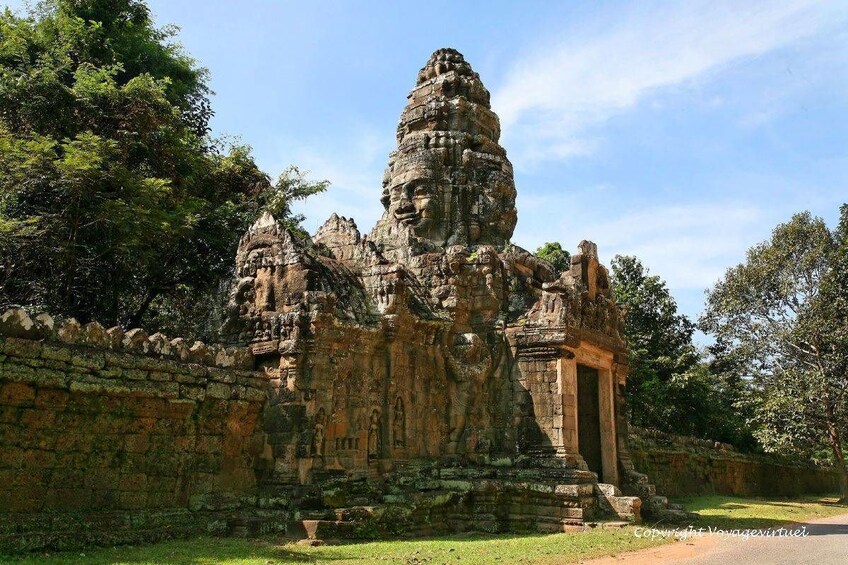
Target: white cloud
688,245
553,96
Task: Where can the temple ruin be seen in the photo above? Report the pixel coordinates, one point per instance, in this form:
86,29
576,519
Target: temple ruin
429,376
433,344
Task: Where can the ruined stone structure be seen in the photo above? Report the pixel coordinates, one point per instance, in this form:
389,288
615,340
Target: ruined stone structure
681,466
112,436
429,376
434,342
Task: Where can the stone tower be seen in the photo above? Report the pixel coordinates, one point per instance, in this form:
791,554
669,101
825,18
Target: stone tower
448,182
430,377
434,349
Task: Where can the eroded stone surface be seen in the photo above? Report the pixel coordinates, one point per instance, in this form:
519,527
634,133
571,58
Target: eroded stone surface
421,379
448,182
432,338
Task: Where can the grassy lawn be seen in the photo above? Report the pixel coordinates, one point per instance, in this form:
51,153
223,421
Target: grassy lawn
729,512
716,511
467,550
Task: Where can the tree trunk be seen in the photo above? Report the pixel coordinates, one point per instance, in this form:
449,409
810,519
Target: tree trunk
838,456
135,319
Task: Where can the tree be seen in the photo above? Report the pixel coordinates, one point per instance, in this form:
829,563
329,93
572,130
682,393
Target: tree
670,387
115,203
292,186
553,253
782,315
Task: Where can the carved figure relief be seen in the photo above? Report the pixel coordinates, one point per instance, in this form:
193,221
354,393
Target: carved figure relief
436,280
375,441
318,434
399,424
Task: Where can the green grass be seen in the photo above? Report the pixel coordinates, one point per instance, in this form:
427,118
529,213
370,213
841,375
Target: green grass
730,512
466,550
716,511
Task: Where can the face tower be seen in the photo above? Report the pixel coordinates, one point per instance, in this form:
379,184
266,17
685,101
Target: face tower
433,341
449,182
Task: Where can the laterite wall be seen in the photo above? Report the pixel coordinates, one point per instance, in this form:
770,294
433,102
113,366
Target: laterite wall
108,436
680,466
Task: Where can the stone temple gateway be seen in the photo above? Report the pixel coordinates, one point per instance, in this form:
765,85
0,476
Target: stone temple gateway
426,377
431,362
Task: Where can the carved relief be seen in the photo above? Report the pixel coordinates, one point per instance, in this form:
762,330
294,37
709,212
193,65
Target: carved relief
399,425
435,302
375,436
318,434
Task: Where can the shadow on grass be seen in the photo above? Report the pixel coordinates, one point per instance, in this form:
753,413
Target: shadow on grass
177,552
457,537
760,513
718,512
261,551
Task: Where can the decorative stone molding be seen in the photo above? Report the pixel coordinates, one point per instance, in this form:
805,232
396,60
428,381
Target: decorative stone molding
16,322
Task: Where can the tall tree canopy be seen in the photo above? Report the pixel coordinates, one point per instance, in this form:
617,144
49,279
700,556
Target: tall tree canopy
553,253
782,317
670,388
115,203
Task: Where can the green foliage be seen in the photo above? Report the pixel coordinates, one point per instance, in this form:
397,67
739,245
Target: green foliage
781,320
553,253
115,204
292,186
670,388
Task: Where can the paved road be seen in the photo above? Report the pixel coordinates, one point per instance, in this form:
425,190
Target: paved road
826,544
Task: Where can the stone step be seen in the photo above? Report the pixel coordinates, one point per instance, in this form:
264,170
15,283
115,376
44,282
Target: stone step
624,507
354,513
613,503
575,490
328,529
610,524
642,490
659,500
659,508
607,489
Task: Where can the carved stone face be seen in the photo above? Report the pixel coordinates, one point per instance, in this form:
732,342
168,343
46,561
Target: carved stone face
415,198
448,182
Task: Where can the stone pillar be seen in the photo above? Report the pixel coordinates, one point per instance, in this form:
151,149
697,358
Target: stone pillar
567,369
606,404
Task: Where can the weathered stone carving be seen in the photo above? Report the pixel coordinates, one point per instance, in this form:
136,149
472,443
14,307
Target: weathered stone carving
399,425
433,333
430,365
375,440
448,182
318,434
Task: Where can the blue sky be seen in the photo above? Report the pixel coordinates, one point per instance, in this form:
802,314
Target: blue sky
679,132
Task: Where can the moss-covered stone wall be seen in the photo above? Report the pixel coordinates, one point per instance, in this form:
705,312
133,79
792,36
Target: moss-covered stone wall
680,466
108,436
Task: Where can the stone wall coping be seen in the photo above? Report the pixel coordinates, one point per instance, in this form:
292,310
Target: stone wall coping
16,322
657,441
679,440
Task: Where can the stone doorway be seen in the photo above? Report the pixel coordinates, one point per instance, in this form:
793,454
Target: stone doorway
589,419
